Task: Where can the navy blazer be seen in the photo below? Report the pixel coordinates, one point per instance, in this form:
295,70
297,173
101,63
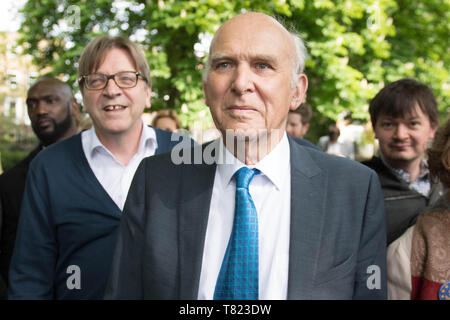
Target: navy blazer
337,233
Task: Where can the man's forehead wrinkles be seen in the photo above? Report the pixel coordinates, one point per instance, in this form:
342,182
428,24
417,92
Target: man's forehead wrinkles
264,50
220,56
243,55
45,93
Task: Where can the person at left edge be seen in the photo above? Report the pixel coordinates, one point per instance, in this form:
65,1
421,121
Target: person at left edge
76,190
54,116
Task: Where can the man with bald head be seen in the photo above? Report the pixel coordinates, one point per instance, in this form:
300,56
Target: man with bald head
53,110
268,218
54,116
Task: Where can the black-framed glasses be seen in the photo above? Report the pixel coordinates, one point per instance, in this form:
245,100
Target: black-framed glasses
99,81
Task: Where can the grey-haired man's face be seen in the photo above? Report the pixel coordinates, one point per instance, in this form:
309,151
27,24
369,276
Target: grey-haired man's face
248,85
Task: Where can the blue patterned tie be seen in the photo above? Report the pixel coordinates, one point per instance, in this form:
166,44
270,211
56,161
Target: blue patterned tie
238,276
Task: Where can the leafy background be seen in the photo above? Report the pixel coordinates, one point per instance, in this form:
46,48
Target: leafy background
355,47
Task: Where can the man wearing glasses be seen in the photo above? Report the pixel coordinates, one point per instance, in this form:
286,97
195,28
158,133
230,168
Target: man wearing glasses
76,189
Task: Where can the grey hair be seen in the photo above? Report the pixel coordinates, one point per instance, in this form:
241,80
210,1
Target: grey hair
301,54
300,57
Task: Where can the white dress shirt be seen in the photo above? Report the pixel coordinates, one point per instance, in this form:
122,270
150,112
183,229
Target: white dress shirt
271,194
112,175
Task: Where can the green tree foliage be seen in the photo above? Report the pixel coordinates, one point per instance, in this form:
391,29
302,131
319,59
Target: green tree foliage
355,46
16,141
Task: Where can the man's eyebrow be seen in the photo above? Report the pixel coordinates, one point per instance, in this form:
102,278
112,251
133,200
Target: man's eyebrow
264,57
47,96
217,57
258,57
54,96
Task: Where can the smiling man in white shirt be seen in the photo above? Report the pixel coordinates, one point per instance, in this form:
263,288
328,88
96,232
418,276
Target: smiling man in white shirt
270,218
76,190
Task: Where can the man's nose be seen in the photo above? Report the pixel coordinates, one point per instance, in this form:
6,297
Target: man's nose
401,131
242,80
111,89
41,107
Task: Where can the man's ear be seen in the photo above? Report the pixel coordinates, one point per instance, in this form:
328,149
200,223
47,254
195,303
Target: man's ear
148,103
305,128
433,131
204,92
75,112
75,108
299,91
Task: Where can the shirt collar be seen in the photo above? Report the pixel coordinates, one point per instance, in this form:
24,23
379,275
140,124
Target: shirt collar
273,165
148,139
403,175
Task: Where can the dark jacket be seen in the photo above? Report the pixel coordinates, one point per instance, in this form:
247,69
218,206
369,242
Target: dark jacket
306,143
337,229
12,184
67,227
402,203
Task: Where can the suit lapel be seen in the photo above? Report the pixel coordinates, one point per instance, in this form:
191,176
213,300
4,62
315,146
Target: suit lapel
307,213
197,186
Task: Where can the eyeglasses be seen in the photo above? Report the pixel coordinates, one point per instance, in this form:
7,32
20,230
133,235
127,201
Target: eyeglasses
99,81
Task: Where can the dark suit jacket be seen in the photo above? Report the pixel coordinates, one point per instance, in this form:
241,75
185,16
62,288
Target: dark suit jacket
306,143
337,236
12,185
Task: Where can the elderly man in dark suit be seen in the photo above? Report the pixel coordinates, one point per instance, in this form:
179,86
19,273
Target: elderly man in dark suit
54,115
268,218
